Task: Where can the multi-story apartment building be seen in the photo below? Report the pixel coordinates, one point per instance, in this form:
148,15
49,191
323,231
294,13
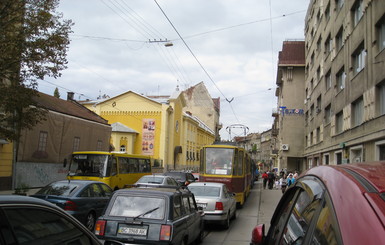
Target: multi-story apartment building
289,117
345,82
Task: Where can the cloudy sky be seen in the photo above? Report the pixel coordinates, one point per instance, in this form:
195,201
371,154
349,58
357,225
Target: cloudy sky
230,45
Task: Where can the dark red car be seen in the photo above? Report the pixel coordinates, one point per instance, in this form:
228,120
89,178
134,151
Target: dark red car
329,204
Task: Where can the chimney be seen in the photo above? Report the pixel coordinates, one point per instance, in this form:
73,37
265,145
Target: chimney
70,95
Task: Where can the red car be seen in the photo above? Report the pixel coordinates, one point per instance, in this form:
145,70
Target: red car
330,204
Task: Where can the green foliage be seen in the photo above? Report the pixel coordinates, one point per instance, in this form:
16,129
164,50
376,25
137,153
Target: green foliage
33,44
56,93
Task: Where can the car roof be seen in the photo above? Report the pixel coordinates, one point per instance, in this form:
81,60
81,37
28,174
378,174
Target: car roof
79,182
152,191
25,200
358,197
207,184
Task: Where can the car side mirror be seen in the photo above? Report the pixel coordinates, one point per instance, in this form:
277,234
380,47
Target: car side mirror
258,234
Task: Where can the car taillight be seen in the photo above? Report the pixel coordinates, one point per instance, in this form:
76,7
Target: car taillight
218,206
100,227
70,206
165,233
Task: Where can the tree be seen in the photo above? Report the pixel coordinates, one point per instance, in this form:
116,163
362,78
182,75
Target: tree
56,93
33,44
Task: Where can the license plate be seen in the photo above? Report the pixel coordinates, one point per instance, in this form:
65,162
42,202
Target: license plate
132,231
202,205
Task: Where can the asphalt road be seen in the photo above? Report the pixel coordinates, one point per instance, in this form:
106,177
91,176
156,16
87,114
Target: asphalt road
258,209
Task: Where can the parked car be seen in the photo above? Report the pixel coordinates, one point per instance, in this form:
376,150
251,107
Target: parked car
151,216
184,178
84,199
330,204
28,220
156,180
219,205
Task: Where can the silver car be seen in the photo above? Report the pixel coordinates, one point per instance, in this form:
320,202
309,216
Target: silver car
219,205
156,180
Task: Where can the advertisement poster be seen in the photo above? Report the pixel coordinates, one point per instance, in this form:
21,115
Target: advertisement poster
148,138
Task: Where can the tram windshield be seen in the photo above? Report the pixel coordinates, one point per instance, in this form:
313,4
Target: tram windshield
219,161
89,165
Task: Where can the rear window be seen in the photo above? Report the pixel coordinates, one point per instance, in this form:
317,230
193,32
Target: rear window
151,180
58,189
138,207
176,175
209,191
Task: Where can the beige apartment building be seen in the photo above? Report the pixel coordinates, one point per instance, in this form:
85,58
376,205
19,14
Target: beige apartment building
344,82
289,118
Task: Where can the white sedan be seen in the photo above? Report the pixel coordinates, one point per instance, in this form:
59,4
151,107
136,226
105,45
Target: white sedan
219,205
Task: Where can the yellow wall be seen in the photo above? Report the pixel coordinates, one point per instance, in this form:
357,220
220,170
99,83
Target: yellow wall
6,160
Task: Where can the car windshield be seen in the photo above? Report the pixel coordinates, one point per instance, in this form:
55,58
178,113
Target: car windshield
209,191
151,180
138,206
89,165
58,189
176,175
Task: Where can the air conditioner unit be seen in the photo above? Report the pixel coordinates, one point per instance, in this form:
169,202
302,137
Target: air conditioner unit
285,147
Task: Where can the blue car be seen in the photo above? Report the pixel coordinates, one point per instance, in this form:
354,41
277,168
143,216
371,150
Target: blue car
83,199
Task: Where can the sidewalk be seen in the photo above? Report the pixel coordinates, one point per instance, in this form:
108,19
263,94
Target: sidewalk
268,201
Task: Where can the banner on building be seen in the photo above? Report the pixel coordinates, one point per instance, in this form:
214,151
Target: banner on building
148,138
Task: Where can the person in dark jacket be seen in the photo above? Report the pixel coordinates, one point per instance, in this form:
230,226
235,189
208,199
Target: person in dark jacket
271,177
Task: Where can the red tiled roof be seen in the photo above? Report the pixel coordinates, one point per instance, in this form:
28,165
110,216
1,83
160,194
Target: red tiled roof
68,107
293,53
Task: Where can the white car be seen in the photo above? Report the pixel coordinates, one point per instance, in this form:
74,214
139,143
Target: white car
219,205
156,180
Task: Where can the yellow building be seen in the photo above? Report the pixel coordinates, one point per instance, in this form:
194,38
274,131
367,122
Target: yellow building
6,151
157,127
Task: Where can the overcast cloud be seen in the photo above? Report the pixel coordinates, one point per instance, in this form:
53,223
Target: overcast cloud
235,41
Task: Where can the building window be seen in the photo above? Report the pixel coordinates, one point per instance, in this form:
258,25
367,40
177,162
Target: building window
328,80
328,45
339,40
357,112
328,114
357,11
319,44
356,154
338,157
381,98
319,104
122,148
359,59
318,135
318,73
311,138
381,34
380,151
340,80
326,159
339,122
76,144
312,111
339,4
43,137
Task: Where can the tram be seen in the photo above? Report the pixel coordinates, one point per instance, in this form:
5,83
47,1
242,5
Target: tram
227,164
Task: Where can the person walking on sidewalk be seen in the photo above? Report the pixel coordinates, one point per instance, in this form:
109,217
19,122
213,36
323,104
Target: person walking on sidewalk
283,182
271,179
264,178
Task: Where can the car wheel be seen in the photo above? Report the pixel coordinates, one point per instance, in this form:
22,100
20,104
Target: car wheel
226,222
90,221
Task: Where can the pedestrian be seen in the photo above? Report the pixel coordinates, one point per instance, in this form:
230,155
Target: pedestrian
271,179
283,182
281,173
264,177
290,179
295,176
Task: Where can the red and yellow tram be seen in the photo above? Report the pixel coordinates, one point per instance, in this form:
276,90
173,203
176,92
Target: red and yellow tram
227,164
